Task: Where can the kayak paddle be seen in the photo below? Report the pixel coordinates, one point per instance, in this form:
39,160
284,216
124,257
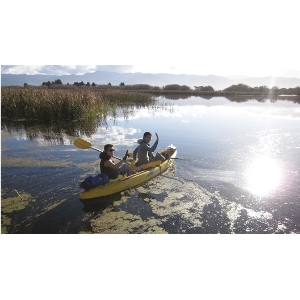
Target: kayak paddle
80,143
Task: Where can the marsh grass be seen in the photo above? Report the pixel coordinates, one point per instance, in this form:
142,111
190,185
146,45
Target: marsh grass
59,105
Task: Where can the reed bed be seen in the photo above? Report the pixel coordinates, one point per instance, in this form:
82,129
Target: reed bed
56,105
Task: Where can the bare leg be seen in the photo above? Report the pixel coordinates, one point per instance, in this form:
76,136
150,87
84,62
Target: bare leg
131,170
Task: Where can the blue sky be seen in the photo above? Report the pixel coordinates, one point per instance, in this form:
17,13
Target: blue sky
225,38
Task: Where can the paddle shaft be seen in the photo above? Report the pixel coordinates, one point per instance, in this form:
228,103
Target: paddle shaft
187,159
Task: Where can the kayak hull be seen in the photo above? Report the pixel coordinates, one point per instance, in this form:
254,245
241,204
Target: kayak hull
124,183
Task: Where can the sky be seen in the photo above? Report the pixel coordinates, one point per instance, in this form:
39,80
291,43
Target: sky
225,38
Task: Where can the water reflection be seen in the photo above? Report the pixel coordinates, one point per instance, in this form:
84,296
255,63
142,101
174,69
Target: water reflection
185,109
235,144
264,98
103,126
263,176
54,133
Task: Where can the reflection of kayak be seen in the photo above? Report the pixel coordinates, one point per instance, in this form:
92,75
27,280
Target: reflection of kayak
120,184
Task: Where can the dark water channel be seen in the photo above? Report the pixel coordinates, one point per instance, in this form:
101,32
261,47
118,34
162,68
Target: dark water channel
245,178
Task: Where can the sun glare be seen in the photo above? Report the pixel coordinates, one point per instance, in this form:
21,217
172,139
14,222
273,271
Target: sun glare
263,176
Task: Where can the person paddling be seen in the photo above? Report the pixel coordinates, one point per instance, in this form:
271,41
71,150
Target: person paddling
114,170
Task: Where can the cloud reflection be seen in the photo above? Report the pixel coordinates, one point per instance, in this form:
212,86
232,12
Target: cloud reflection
116,135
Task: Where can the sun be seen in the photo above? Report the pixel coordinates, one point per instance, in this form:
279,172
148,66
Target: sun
263,176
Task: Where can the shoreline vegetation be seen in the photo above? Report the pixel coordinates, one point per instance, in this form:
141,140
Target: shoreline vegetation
54,102
61,105
238,89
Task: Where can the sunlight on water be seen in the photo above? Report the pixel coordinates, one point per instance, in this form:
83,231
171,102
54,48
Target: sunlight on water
263,176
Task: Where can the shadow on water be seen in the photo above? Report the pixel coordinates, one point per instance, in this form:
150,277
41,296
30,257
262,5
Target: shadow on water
64,218
97,205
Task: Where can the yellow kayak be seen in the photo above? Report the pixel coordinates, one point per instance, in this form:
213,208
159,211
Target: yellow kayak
145,173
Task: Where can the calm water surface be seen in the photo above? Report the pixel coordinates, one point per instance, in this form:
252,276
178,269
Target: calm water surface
245,177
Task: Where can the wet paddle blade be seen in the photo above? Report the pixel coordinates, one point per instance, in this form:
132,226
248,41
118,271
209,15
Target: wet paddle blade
80,143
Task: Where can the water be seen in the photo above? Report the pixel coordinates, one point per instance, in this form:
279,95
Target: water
244,178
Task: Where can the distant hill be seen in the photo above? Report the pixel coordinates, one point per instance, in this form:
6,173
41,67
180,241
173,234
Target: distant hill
162,79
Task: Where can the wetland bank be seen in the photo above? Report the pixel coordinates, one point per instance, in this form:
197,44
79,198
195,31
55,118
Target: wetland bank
41,169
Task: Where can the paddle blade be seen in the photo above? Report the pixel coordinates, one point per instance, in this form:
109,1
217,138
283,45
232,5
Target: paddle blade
80,143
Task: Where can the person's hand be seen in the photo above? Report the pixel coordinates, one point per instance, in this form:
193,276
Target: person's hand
126,155
157,136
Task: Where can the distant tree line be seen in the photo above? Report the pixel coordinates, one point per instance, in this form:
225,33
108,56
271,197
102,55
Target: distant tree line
82,83
204,88
48,83
236,88
262,89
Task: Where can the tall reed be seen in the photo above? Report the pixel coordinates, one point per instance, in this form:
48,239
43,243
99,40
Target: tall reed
57,105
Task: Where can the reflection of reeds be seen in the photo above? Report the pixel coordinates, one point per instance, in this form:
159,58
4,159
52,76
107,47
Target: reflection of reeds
56,105
54,133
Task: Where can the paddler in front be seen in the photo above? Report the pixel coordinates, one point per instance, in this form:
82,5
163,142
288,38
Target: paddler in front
114,170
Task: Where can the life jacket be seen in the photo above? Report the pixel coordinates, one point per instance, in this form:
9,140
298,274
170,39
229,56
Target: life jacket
112,174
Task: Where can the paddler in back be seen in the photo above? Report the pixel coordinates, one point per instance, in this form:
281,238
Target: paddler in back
145,151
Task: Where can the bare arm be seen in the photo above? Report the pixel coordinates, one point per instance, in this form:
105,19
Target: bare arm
110,164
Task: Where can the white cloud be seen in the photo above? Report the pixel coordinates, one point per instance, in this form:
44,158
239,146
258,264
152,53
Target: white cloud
225,68
61,69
